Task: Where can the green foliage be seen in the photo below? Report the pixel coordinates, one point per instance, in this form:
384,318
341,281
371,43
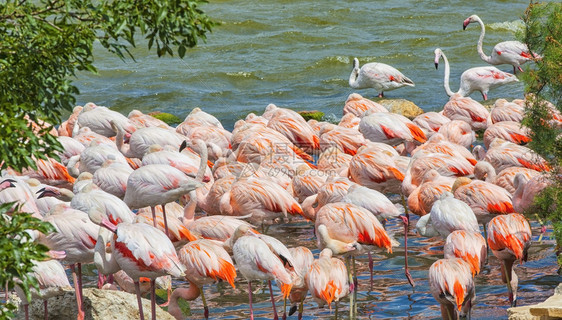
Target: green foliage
43,43
543,35
168,118
316,115
18,249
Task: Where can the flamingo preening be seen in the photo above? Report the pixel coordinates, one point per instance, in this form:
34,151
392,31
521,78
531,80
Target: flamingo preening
378,76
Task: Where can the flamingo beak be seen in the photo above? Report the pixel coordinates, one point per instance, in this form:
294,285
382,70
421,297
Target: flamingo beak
465,23
436,65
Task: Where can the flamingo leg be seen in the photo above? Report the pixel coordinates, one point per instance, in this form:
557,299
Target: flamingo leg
101,280
137,289
26,311
275,316
371,269
250,298
153,298
301,307
77,292
205,308
356,286
351,286
45,310
153,216
337,305
165,220
284,308
406,221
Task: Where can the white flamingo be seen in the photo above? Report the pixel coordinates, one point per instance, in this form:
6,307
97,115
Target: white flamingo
378,76
514,53
475,79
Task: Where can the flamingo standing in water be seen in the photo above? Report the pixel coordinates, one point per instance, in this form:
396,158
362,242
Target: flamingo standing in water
327,280
452,285
205,262
378,76
262,258
141,251
514,53
469,246
509,238
475,79
303,258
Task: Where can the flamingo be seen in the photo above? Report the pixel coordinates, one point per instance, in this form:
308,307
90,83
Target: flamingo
452,285
141,140
205,262
293,126
349,120
141,120
433,185
506,111
483,197
469,246
390,128
99,119
447,215
504,154
483,170
93,157
346,139
458,131
509,238
327,280
430,122
376,170
199,118
475,79
208,198
112,177
526,190
507,130
51,280
67,127
378,76
262,258
514,53
141,251
333,159
76,236
303,258
307,182
71,147
357,105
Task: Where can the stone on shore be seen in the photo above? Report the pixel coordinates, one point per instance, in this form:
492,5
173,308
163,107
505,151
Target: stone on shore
401,106
551,308
98,305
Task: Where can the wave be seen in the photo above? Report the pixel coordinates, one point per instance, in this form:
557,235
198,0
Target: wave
513,26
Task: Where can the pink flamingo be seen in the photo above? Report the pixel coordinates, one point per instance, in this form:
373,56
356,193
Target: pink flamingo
141,120
444,146
259,257
327,280
507,130
67,127
303,259
349,120
483,170
76,236
51,280
526,190
112,177
357,105
199,118
293,126
205,262
504,154
376,170
506,111
306,182
431,122
378,76
484,198
141,251
514,53
99,119
452,285
141,140
346,139
431,188
469,246
390,128
333,159
475,79
509,238
459,132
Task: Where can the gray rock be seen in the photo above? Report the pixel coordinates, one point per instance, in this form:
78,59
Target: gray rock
401,106
551,308
98,305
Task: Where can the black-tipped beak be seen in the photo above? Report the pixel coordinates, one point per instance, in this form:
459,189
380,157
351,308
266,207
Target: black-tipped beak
464,25
183,145
10,182
436,65
292,310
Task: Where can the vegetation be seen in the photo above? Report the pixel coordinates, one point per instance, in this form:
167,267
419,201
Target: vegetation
543,35
43,44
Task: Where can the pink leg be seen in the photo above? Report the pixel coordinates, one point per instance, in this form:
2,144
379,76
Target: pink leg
79,265
153,298
153,216
101,280
406,221
165,220
371,269
275,316
77,292
26,311
46,310
110,279
250,297
137,289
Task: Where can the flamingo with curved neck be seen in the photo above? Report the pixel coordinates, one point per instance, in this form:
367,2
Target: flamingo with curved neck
474,79
514,53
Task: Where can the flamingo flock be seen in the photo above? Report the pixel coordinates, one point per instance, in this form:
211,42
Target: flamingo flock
144,201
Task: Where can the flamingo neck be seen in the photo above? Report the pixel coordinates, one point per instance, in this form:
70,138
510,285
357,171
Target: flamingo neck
446,77
204,157
483,56
188,294
189,209
353,77
121,146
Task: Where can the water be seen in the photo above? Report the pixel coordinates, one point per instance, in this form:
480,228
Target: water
298,54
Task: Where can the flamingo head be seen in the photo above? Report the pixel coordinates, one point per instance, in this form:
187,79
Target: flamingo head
355,63
467,21
438,53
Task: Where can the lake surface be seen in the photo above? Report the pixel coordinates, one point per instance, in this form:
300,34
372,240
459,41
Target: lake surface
298,55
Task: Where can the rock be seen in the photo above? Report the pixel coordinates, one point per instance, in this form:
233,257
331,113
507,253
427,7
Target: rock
169,118
551,308
402,106
316,115
98,305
